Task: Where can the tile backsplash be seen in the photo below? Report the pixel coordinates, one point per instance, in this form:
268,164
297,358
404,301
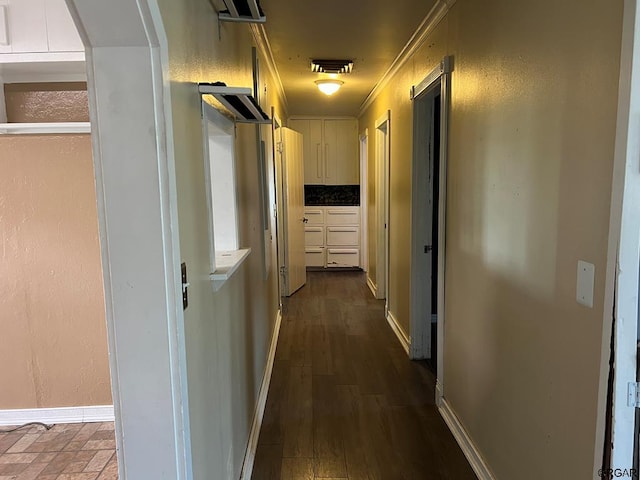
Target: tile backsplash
318,195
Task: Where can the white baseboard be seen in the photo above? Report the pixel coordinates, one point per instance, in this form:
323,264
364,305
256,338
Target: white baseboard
252,445
99,413
464,440
395,326
372,287
439,394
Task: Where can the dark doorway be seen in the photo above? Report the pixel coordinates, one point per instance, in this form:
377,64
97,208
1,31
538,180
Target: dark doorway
432,362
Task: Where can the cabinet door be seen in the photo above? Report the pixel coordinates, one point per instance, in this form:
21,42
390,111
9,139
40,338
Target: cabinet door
27,26
331,152
311,131
341,165
348,164
316,154
62,33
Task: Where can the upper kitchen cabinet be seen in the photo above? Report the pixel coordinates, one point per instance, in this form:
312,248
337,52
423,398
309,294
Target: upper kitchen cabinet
330,150
36,27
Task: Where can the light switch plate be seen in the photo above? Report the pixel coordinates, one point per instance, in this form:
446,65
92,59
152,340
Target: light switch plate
585,282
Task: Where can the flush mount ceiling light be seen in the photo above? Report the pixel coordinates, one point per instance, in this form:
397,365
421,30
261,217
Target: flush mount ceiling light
331,66
329,86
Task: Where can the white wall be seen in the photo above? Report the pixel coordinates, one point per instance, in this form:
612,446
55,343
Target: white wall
531,146
145,109
227,332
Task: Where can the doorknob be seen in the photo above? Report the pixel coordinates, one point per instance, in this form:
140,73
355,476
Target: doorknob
305,220
428,248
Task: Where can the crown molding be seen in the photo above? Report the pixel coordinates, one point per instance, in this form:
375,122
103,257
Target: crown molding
418,38
264,47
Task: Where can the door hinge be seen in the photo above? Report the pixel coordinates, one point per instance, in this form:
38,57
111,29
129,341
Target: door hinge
283,270
279,147
428,248
633,399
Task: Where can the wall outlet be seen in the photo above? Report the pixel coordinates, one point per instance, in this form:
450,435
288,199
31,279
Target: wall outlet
585,282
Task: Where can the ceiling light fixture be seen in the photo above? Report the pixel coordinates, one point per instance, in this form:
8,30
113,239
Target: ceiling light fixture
329,86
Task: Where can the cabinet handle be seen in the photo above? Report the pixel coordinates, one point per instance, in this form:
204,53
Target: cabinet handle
318,161
326,161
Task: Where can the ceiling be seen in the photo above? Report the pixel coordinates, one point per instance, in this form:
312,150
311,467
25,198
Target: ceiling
369,32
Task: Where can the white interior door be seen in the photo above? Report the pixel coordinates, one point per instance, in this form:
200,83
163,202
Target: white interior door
294,271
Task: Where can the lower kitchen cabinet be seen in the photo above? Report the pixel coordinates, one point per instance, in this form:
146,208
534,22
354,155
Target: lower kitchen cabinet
314,256
336,241
343,257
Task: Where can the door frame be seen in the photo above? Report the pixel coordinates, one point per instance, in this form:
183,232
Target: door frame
438,81
620,322
364,203
140,248
281,241
383,161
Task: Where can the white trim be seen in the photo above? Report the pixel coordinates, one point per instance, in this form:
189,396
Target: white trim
395,326
469,448
382,167
439,393
427,26
372,287
3,105
445,89
252,445
42,57
139,246
99,413
423,167
428,81
45,128
264,47
364,204
621,277
227,262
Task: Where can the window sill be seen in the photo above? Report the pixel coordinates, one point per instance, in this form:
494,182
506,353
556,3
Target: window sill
45,128
226,265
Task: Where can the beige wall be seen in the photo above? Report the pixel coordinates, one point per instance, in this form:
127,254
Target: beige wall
46,102
228,332
532,128
53,347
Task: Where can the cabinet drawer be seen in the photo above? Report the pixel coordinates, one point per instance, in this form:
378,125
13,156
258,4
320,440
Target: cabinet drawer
314,257
343,236
343,257
315,216
343,216
314,236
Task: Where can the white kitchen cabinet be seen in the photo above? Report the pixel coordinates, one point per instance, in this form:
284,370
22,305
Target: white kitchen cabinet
314,236
342,215
314,216
314,257
345,235
330,150
62,33
336,241
341,152
38,26
343,257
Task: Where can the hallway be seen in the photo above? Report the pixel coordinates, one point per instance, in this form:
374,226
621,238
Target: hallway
345,402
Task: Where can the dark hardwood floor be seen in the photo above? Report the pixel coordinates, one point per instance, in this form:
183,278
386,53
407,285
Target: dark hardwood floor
345,402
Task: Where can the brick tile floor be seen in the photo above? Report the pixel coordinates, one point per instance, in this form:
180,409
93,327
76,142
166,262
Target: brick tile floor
78,451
